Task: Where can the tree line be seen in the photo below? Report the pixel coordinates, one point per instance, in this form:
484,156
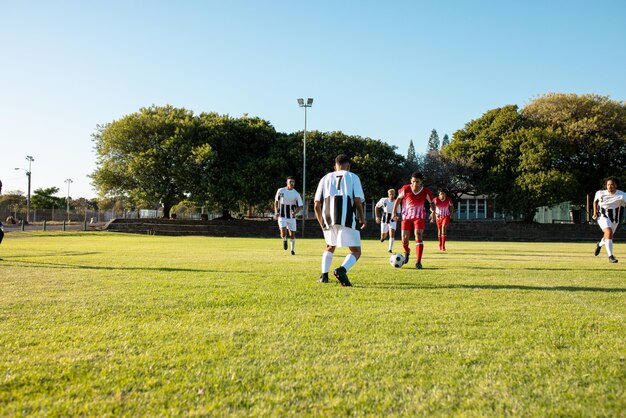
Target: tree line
556,148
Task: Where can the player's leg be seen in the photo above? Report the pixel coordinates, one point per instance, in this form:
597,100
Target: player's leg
330,237
291,225
419,245
603,223
284,231
406,228
392,237
608,241
351,238
444,232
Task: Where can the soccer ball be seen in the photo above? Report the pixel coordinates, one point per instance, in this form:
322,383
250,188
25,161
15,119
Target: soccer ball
396,260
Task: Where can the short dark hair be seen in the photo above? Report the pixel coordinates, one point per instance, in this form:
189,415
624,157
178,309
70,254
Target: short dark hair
417,175
342,159
291,178
615,180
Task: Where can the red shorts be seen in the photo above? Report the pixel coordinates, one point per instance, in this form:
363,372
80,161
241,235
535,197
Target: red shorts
443,221
413,224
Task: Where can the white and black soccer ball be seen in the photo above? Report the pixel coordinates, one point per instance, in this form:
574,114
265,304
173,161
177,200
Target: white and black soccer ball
396,260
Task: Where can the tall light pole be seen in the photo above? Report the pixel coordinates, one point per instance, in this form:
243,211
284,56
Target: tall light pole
68,181
309,103
28,172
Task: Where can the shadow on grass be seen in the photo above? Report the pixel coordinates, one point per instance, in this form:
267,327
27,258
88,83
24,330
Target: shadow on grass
494,287
39,264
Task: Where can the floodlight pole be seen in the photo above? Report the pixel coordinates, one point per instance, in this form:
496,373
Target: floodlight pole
28,173
68,181
309,103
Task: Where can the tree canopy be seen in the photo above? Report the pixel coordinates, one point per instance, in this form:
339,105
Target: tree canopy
558,148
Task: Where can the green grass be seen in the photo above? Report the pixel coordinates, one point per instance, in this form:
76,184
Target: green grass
129,325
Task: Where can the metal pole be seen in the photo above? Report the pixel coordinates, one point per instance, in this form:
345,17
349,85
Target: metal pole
68,181
304,207
28,200
30,159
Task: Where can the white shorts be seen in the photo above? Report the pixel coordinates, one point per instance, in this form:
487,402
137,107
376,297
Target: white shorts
287,223
341,236
604,222
385,227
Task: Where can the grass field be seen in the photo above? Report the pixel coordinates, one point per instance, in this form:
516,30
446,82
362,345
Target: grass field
129,325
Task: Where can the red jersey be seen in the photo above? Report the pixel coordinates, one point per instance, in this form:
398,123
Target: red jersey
413,203
442,207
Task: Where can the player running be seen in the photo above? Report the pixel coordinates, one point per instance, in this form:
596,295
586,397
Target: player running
339,211
287,204
413,197
387,226
608,207
444,207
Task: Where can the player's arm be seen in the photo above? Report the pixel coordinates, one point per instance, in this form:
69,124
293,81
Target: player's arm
276,205
595,209
360,212
317,207
433,206
376,213
396,208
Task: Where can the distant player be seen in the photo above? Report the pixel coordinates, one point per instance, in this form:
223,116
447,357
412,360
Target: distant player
444,207
387,226
339,211
608,208
413,197
287,204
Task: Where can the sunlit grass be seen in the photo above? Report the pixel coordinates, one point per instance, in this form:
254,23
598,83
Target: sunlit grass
114,324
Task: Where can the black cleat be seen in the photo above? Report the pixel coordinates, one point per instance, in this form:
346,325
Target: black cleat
390,252
597,251
293,252
323,278
284,245
418,265
382,240
612,259
340,274
406,257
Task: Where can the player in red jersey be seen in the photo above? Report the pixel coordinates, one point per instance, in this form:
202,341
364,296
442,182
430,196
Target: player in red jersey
413,197
444,207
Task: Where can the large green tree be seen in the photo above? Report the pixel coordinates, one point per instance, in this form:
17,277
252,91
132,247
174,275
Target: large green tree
44,198
558,148
148,156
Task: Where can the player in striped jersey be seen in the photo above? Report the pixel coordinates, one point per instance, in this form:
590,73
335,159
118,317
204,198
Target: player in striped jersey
608,208
287,204
413,198
339,211
387,226
444,207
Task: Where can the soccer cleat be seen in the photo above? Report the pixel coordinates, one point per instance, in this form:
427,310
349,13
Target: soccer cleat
418,265
284,245
612,259
323,278
406,257
293,252
597,251
340,274
382,240
390,252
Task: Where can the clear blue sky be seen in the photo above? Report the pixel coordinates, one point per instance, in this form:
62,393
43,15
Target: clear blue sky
390,70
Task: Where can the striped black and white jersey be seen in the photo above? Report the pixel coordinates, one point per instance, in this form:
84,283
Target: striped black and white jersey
337,191
288,201
610,205
387,206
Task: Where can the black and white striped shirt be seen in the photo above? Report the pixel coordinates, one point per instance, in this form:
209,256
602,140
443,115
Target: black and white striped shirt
288,201
610,205
338,191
